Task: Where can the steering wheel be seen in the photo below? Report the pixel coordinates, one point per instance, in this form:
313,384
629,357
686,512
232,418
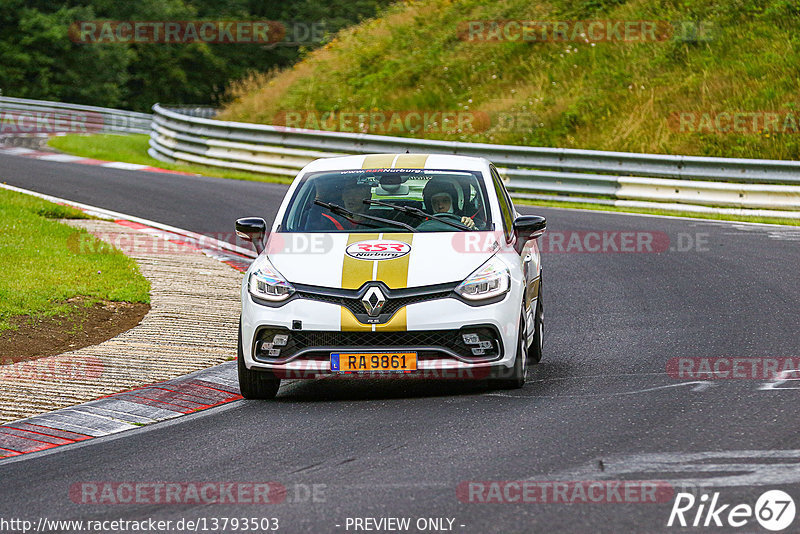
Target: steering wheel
452,217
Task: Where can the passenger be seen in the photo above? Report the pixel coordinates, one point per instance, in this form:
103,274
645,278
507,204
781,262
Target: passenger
439,197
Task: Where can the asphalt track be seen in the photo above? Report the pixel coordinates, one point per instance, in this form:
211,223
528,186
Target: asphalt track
600,406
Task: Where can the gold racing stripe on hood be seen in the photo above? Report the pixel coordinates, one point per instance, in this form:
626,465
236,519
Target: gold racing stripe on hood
394,273
354,274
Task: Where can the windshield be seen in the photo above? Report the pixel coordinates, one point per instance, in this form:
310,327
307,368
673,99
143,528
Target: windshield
452,201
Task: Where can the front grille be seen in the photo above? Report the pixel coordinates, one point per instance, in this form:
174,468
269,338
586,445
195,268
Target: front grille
396,299
431,344
368,340
390,308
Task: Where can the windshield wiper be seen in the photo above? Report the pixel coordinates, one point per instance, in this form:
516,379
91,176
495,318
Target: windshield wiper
350,216
418,213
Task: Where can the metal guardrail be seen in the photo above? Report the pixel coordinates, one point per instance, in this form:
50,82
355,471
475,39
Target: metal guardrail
22,116
771,187
189,135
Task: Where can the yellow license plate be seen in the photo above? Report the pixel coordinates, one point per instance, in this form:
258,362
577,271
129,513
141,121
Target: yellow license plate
349,362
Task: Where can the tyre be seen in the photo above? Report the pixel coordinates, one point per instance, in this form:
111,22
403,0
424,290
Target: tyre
514,378
252,383
536,348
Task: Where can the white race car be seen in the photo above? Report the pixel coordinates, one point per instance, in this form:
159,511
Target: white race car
392,265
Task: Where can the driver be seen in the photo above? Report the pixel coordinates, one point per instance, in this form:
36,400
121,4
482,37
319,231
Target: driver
353,198
439,197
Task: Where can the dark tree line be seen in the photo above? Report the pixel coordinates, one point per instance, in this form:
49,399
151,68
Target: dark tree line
39,60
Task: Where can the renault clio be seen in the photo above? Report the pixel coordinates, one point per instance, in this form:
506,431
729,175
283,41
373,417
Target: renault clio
392,263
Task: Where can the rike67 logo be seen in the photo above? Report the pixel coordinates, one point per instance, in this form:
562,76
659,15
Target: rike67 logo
774,510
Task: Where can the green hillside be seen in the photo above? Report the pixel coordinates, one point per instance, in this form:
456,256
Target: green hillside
714,59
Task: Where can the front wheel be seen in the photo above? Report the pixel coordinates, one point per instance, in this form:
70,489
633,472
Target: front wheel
514,378
255,384
537,347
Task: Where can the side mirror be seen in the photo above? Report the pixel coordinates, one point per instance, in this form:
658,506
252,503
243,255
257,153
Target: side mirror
252,229
528,227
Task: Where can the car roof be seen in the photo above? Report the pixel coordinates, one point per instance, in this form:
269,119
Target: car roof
398,161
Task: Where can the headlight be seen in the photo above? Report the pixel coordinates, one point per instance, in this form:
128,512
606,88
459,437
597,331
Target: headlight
267,283
490,280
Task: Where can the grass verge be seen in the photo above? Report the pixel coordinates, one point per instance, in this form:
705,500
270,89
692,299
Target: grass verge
40,268
133,149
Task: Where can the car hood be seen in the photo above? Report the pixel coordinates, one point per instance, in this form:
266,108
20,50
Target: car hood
339,260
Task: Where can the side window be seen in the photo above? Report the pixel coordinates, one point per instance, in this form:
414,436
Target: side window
506,208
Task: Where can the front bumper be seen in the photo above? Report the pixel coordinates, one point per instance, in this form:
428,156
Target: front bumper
434,329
